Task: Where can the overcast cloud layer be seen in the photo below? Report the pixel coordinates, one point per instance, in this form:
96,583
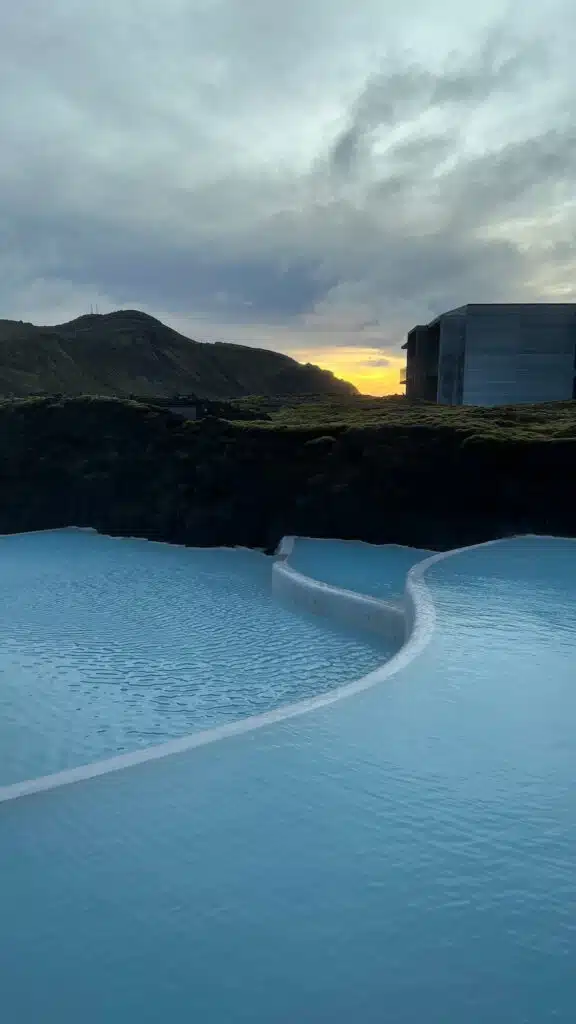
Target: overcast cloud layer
314,177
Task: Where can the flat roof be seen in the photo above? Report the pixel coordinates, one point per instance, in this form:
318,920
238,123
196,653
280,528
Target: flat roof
511,306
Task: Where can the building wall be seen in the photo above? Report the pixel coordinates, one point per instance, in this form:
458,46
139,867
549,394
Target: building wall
451,358
519,354
422,362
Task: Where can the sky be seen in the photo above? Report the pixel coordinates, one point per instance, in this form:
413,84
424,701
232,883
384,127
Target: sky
314,177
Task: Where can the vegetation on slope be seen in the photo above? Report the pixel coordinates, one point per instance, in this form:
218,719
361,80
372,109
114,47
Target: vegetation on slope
381,471
553,419
130,353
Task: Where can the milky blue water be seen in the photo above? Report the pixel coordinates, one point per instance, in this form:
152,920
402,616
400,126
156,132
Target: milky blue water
107,646
406,855
378,570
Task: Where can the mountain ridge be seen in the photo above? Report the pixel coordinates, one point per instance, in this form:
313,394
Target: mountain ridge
128,352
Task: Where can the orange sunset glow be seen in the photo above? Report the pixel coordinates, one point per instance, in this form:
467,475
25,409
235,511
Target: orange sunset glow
361,366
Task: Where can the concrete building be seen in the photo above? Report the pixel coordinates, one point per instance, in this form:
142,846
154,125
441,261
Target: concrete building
494,355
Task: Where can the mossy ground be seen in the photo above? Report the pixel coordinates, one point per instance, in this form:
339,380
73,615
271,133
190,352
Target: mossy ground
380,470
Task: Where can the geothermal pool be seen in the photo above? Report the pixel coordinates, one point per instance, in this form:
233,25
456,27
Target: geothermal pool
405,854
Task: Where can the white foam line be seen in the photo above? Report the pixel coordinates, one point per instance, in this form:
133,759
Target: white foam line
420,622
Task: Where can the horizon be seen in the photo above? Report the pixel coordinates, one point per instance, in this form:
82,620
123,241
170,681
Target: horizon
315,185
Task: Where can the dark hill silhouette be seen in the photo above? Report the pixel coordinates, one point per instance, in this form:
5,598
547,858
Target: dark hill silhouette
131,353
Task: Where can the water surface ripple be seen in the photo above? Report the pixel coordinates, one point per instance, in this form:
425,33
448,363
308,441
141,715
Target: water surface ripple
107,646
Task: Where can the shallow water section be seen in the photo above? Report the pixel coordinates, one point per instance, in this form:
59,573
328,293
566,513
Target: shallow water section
108,645
376,569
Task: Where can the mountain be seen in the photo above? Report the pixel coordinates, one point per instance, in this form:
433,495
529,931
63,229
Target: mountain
131,353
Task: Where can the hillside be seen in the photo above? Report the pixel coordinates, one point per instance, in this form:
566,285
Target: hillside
385,472
130,353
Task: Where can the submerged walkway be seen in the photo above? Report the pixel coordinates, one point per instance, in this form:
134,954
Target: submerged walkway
404,855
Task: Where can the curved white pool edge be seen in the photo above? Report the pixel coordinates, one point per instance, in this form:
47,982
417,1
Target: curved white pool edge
386,618
285,548
420,622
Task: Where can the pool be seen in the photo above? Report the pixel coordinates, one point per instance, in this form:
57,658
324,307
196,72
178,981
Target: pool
404,855
110,645
375,569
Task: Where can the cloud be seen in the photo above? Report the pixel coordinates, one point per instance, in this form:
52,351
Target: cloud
323,180
399,95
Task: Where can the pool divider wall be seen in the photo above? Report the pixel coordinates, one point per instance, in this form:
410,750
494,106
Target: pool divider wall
348,608
285,548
